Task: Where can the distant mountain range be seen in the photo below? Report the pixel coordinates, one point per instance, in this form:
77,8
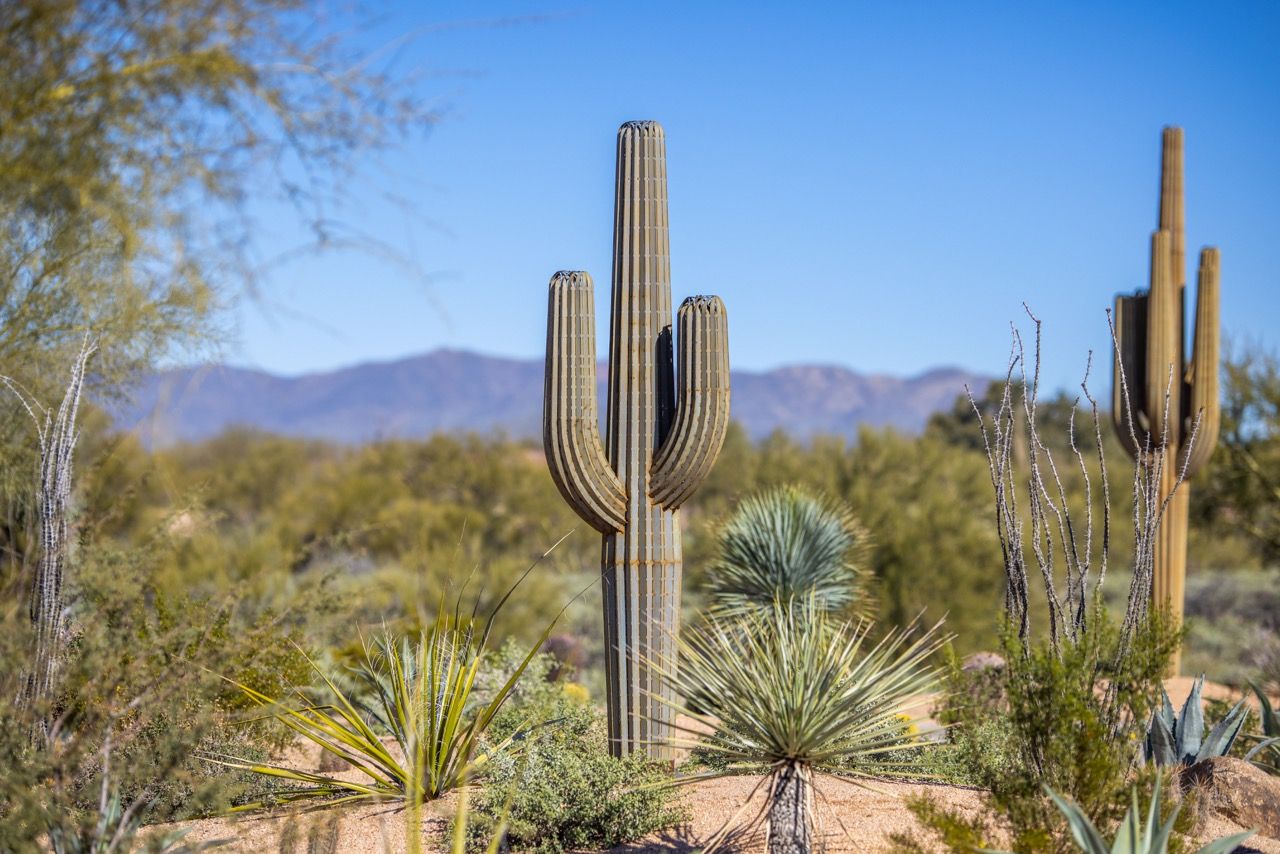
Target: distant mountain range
459,391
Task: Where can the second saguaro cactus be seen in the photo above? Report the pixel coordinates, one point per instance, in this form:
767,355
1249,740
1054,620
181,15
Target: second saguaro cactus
666,421
1170,398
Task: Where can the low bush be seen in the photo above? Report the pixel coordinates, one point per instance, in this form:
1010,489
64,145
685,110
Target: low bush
563,790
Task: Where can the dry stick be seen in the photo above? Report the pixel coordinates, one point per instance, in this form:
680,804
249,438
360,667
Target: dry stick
57,436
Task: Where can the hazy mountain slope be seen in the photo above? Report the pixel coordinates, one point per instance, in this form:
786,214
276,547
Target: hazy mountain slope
454,391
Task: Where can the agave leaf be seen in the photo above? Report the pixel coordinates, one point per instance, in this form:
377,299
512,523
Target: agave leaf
1226,844
1224,733
1270,720
1130,836
1160,841
1166,710
1082,829
1261,746
1189,731
1160,742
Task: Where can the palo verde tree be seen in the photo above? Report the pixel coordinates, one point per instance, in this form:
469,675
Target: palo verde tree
132,137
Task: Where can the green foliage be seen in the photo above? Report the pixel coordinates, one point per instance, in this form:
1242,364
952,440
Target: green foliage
114,829
422,697
1070,720
134,135
1233,623
1180,739
133,706
1264,746
1240,491
564,791
797,685
1135,836
787,544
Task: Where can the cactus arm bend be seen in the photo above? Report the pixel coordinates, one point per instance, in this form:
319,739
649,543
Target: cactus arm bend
702,412
1128,371
571,425
1202,379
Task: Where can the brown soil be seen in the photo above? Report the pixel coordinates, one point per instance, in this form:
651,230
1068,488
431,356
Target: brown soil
852,818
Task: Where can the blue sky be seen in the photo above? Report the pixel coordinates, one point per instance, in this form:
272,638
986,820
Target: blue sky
878,185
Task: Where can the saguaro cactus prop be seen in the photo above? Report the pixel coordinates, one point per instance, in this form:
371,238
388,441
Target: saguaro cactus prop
658,448
1169,399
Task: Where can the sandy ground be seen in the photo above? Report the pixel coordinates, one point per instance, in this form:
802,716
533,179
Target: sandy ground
852,818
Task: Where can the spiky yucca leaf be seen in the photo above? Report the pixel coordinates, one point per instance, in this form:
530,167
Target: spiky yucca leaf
795,684
789,544
422,699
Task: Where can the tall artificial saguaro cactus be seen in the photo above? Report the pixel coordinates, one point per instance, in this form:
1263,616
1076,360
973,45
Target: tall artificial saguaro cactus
661,438
1170,399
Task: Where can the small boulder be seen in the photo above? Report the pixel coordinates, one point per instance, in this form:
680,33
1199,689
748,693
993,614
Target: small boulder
983,661
1248,796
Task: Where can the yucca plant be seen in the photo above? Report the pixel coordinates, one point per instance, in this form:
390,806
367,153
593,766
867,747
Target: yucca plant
1180,739
1134,835
798,691
788,544
422,701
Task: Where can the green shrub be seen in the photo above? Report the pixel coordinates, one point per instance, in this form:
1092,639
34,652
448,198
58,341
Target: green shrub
1073,720
564,791
135,702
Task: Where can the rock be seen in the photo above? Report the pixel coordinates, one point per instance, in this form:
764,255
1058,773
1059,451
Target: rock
1246,795
983,661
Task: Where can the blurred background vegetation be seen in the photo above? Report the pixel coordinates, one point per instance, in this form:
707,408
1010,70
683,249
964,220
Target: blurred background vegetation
376,532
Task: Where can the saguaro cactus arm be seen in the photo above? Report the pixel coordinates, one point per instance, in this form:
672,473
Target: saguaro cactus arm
1164,346
702,410
1128,371
571,425
1202,373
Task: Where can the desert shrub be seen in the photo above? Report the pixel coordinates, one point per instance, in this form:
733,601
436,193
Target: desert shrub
564,790
135,701
1076,696
788,544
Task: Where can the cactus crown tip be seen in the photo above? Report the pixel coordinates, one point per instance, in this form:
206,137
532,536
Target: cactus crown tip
571,277
642,126
707,301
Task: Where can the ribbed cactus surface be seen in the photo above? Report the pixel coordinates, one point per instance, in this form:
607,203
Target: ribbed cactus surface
666,421
1170,397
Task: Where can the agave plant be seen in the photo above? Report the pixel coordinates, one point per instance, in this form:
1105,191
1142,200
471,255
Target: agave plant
1180,739
787,544
800,692
1135,836
1266,752
422,701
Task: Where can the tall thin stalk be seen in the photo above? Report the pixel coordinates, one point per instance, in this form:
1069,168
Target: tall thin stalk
57,433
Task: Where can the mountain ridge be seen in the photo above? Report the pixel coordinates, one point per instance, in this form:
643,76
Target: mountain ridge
454,390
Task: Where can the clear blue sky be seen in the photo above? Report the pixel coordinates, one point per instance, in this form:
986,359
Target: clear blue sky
878,185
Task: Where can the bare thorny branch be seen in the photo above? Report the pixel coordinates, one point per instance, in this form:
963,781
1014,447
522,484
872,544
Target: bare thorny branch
1044,537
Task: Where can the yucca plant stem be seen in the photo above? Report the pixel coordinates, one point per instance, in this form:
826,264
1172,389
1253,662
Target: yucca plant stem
791,810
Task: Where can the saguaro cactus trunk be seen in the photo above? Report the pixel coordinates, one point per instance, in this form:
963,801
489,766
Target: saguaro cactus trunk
1169,399
660,443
